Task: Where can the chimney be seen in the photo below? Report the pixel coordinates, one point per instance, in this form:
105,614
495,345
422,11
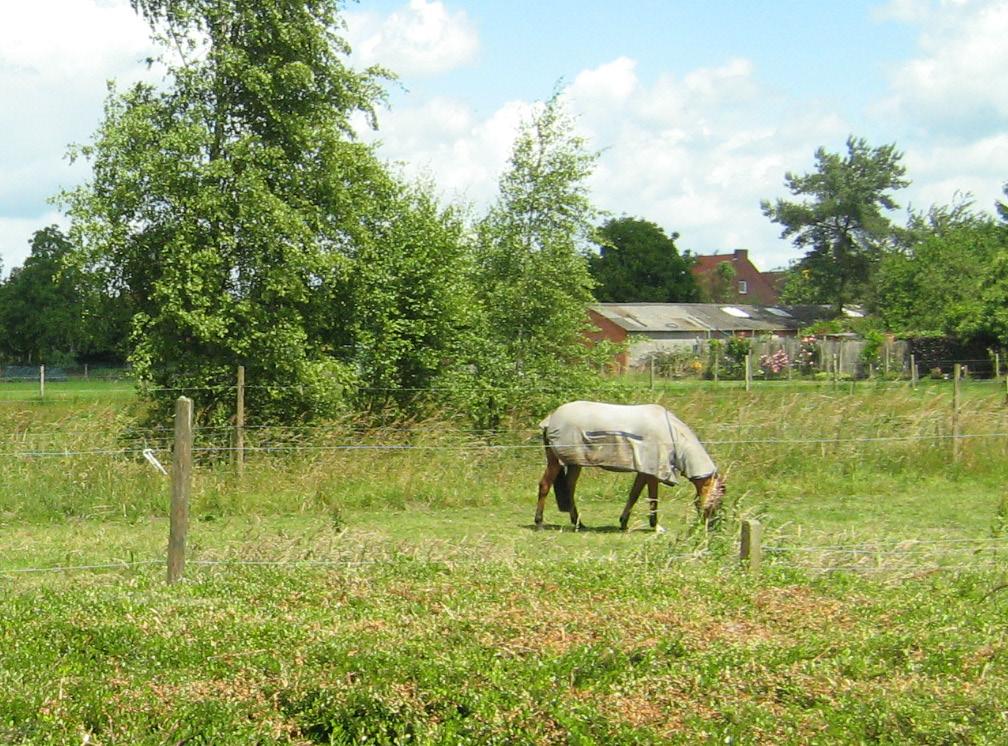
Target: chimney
741,255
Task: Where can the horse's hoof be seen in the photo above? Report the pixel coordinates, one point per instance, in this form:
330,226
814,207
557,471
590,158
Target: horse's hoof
538,525
622,525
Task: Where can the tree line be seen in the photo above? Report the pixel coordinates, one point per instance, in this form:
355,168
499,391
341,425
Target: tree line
235,217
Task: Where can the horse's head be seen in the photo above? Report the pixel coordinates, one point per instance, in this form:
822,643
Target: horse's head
710,494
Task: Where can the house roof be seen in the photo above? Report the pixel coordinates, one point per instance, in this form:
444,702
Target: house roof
701,318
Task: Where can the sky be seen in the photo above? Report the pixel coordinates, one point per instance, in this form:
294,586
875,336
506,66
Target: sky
698,108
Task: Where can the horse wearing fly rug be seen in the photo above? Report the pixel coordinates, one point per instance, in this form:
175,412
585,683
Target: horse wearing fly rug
644,438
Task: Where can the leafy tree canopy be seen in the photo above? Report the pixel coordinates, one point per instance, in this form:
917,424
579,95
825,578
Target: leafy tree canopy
228,205
533,282
840,221
930,281
988,316
48,313
638,262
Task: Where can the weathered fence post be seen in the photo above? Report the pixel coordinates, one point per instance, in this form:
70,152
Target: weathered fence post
836,369
41,382
717,363
240,422
956,402
181,488
750,545
748,372
913,371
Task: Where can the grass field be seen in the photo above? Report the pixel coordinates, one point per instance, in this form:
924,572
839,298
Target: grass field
348,596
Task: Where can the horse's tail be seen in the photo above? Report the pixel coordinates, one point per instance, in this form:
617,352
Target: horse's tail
561,487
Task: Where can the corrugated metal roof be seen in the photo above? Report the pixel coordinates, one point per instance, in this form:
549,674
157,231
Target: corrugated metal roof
701,318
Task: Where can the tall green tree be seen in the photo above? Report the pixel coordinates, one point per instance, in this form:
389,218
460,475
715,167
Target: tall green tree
532,270
930,281
840,221
988,316
720,286
42,312
410,308
228,204
639,262
54,314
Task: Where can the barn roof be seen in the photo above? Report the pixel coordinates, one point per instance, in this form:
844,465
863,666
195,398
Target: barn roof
701,318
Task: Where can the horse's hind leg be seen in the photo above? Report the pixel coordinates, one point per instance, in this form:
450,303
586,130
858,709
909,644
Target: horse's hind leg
573,472
553,468
635,491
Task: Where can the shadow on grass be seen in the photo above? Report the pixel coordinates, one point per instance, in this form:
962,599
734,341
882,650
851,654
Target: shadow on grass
583,529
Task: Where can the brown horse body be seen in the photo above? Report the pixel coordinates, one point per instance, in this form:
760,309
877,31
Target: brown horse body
645,439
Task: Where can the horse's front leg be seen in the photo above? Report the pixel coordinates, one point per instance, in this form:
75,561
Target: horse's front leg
635,491
573,472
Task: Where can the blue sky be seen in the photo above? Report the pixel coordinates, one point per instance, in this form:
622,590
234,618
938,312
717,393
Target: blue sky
699,108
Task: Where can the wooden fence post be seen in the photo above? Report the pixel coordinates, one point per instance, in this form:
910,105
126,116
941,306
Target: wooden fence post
748,372
750,545
41,382
181,488
956,403
240,422
913,371
997,366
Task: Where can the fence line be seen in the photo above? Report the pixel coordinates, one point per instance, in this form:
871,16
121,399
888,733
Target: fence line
476,559
163,432
488,446
229,388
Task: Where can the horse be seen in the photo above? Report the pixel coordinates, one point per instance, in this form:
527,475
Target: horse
646,439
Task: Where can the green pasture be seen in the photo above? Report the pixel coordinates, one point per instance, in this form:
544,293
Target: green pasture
66,391
350,595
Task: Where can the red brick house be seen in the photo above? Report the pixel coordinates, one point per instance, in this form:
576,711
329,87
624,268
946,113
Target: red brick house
748,284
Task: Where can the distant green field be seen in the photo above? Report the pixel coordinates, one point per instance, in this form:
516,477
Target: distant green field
340,594
75,389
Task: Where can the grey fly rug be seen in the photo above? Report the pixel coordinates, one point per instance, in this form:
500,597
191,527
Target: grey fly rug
645,438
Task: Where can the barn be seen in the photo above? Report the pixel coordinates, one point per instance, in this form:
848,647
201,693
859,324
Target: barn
667,327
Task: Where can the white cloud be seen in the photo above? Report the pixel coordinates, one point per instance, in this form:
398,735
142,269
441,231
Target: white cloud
609,84
943,172
423,38
60,39
55,59
956,83
444,138
694,154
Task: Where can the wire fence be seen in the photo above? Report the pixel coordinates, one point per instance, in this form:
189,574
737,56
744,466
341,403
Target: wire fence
136,447
892,559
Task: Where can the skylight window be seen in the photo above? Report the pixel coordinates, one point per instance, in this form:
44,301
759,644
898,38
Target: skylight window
736,312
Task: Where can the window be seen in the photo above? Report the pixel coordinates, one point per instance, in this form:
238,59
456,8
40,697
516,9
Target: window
743,287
